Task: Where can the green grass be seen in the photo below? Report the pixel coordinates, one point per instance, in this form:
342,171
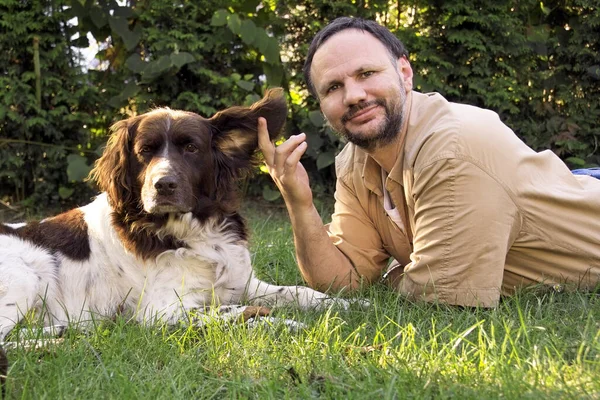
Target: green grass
537,344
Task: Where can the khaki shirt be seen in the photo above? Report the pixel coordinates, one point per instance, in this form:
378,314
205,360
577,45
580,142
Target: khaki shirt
482,213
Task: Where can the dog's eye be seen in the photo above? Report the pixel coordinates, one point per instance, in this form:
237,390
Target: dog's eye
191,148
144,149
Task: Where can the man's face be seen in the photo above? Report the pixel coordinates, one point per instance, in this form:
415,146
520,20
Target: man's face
361,89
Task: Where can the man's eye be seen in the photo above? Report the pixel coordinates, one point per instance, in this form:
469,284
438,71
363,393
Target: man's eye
332,88
367,74
191,148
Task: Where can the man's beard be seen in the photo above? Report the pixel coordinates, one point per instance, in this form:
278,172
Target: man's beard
387,132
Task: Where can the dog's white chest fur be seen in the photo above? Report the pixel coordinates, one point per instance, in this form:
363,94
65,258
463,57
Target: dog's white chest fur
211,269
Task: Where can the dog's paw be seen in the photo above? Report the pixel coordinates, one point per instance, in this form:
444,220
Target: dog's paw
273,322
344,304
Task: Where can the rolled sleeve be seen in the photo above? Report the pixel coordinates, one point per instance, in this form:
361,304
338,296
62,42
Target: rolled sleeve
464,224
352,231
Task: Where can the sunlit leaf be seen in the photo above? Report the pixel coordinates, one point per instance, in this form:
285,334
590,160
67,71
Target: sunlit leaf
77,168
219,18
248,31
274,74
249,86
235,24
65,192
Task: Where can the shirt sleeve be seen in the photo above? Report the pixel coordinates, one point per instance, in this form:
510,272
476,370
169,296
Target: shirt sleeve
464,224
354,234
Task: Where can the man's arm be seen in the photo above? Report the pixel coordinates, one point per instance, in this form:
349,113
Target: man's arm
321,264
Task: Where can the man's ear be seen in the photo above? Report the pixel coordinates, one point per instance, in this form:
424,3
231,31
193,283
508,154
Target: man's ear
406,73
235,130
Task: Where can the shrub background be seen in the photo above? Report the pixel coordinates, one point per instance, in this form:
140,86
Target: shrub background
536,64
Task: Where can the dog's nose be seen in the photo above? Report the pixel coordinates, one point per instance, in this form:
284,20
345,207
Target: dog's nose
166,185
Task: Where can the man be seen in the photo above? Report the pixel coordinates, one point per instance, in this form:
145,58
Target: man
466,209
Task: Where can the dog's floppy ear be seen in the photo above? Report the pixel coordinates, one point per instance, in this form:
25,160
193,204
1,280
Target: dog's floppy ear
112,170
236,128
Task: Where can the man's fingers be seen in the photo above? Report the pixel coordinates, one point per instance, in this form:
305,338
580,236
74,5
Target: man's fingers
284,150
294,159
264,142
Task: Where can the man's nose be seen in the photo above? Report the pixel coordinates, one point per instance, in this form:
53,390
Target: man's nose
354,93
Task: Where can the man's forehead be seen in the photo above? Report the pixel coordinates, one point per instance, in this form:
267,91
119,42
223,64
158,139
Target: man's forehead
346,52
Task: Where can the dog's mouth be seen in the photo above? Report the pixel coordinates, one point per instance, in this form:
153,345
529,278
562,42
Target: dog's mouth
166,207
161,206
169,209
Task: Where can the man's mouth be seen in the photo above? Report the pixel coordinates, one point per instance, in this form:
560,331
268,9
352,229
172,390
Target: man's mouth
364,115
361,113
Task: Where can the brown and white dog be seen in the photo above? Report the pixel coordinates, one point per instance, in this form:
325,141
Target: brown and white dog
163,238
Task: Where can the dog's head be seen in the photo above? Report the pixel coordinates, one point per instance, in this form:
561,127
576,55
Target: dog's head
169,161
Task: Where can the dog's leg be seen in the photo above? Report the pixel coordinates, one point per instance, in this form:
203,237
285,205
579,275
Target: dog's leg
14,303
26,280
262,293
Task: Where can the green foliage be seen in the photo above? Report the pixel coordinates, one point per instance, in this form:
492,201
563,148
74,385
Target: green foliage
37,137
536,64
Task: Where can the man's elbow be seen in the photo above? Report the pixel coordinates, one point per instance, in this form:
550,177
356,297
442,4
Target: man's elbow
338,285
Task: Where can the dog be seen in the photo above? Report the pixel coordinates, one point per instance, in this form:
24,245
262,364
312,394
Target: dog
164,237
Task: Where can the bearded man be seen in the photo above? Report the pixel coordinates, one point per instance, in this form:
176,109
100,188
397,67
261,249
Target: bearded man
465,210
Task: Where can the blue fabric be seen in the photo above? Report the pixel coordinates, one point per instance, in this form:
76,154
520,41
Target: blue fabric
595,172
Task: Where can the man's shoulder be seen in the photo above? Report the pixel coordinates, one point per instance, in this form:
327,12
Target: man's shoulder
443,129
433,112
348,160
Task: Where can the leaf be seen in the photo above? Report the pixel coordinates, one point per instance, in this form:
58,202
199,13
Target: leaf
130,90
576,161
135,63
248,31
77,168
271,52
274,74
316,118
78,9
249,86
594,71
219,18
98,17
235,24
159,66
182,58
121,27
116,101
325,159
124,11
65,192
261,40
270,194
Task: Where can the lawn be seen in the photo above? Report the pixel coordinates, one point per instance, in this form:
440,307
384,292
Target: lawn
537,344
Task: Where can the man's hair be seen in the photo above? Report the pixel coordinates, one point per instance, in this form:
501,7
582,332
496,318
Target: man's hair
388,39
